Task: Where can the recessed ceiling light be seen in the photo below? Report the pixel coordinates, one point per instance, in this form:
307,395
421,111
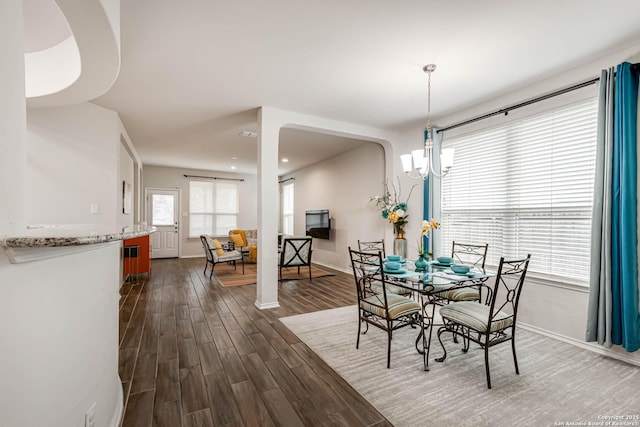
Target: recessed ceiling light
233,168
285,160
248,133
234,158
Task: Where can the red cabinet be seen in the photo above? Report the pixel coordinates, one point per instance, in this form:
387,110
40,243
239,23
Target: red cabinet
137,256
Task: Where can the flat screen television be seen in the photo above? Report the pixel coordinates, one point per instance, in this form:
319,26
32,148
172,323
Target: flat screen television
318,223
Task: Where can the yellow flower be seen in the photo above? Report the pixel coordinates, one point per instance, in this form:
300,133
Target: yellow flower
393,217
427,226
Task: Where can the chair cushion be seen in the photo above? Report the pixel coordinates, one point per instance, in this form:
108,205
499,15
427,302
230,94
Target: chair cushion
218,247
229,256
460,294
237,240
398,306
376,287
241,233
475,316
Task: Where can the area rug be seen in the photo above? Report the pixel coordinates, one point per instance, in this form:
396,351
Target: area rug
558,383
228,276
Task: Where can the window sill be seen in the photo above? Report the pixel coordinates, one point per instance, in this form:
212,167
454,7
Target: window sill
558,282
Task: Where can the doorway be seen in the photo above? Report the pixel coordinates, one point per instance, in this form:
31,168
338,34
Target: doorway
162,212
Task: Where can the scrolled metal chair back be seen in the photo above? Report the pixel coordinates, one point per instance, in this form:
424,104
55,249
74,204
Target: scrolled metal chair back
464,253
367,268
505,294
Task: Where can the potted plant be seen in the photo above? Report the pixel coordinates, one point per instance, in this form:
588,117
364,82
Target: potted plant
425,230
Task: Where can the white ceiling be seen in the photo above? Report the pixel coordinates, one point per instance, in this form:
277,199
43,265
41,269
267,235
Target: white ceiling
194,73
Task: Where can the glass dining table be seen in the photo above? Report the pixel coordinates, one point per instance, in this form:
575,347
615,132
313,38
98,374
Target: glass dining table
426,287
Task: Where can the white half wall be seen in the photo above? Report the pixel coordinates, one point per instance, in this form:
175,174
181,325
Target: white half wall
59,328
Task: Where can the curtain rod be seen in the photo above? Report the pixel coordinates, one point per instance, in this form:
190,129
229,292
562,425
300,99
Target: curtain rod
505,111
214,177
285,180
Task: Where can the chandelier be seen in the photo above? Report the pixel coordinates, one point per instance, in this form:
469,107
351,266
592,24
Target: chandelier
419,163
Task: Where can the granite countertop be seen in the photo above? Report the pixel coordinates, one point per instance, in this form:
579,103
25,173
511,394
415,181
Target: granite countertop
64,235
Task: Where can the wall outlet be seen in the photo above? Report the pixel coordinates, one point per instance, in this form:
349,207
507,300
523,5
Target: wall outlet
95,208
90,416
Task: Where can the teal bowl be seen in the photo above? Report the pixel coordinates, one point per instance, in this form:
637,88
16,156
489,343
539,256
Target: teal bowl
395,258
391,265
460,268
445,259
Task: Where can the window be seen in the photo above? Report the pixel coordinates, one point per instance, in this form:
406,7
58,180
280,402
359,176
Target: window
287,208
213,208
526,187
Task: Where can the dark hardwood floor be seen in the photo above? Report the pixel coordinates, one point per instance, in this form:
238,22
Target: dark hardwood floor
194,353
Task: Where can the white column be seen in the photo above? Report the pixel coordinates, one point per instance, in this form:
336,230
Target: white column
13,156
268,203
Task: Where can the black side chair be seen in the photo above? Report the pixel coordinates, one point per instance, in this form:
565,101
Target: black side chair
380,308
372,246
296,252
213,258
493,323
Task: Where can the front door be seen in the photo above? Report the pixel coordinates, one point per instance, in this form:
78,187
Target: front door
162,213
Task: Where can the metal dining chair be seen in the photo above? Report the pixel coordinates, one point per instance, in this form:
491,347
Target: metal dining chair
372,246
375,246
492,323
469,254
382,309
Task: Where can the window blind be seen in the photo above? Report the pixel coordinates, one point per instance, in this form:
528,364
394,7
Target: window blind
287,208
526,187
213,208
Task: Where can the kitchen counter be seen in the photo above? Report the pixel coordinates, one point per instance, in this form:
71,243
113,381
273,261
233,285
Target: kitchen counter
47,241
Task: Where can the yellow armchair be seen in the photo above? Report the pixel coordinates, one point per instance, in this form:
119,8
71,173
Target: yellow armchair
247,241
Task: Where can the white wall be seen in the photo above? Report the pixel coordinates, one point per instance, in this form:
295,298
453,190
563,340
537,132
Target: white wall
342,184
12,118
173,178
74,161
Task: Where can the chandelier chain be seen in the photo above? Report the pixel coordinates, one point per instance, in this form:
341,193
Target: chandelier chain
429,105
420,162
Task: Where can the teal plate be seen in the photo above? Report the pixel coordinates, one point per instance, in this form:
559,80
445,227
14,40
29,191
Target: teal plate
437,264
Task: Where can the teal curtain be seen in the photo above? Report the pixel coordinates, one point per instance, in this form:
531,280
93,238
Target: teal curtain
426,197
625,326
614,316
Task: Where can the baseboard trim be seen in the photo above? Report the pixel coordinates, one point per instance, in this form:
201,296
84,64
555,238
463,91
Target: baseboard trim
333,267
584,345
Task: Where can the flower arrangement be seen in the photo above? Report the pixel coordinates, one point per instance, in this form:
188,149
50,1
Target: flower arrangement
425,229
393,209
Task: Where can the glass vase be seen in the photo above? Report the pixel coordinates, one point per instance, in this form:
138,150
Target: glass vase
400,246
